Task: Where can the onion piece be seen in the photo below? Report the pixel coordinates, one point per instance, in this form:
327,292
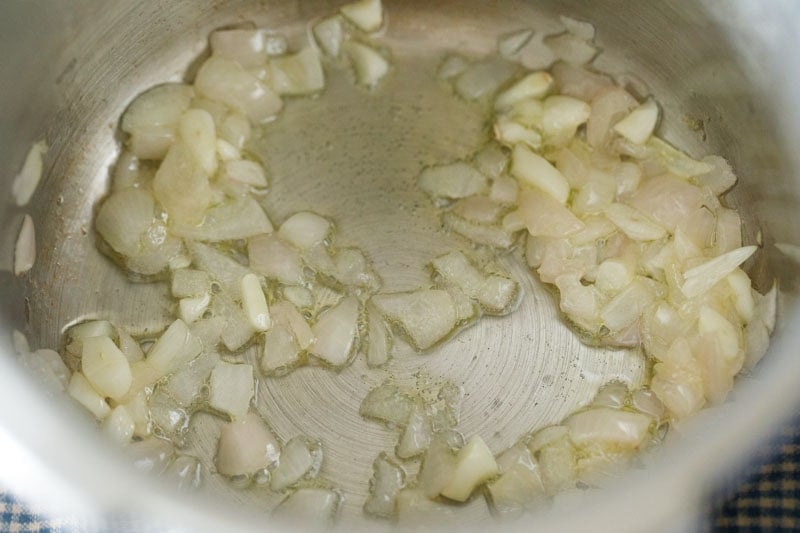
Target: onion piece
246,446
437,469
416,511
25,247
304,229
26,181
387,480
301,458
234,219
702,277
336,333
152,119
173,349
504,190
299,297
387,403
416,436
353,270
634,223
219,266
241,172
571,48
480,209
196,128
609,106
246,47
720,178
457,270
281,353
81,390
185,472
427,316
742,294
191,309
105,367
578,28
288,316
151,455
533,86
576,81
545,216
562,115
676,161
140,414
47,368
228,82
169,420
474,465
456,180
535,170
178,173
329,35
297,74
640,123
119,425
756,343
369,65
314,507
254,303
669,200
519,486
123,219
510,133
188,283
367,15
231,389
185,385
628,305
497,294
608,427
509,45
483,78
451,66
558,465
379,340
478,233
275,259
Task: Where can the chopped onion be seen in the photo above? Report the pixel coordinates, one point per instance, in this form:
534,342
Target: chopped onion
510,133
275,44
457,270
437,468
417,511
244,173
609,106
484,77
648,403
281,353
275,259
379,340
576,81
228,82
25,247
178,173
474,465
478,233
301,458
578,28
191,309
427,316
519,486
387,480
702,277
546,437
219,266
124,218
299,297
497,294
367,15
188,283
151,455
185,385
254,303
608,427
627,306
509,45
336,333
535,170
533,86
168,419
756,342
452,66
352,269
387,403
545,216
304,229
596,195
152,119
288,316
233,219
47,368
557,464
105,367
369,65
504,190
571,48
720,178
676,161
416,436
742,294
246,446
119,425
296,74
81,390
766,308
562,115
456,180
231,389
185,472
329,35
27,180
246,47
176,347
209,331
140,414
638,126
314,507
669,200
480,209
634,223
196,128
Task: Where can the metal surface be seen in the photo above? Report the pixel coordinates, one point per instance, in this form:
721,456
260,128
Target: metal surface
354,156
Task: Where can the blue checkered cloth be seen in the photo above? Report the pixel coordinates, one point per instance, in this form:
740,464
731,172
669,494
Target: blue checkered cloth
767,500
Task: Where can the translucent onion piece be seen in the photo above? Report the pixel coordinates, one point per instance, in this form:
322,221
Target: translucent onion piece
129,346
288,316
510,133
464,307
387,480
304,229
275,44
634,223
176,347
498,294
648,403
578,28
451,66
478,233
244,173
576,81
237,331
676,161
27,180
25,247
457,270
484,77
557,463
742,294
106,367
209,331
196,128
562,115
367,15
547,436
369,65
187,283
720,178
613,394
480,209
228,82
169,420
81,390
728,232
275,259
140,414
416,510
329,35
155,113
533,86
756,342
669,200
297,74
219,266
545,216
571,48
191,309
504,190
766,308
638,126
281,353
185,385
608,427
437,468
246,47
609,105
233,219
124,217
702,277
627,306
509,45
185,472
533,169
254,303
519,486
178,173
245,447
387,403
456,180
119,425
427,316
353,270
416,436
336,333
314,507
474,465
231,389
379,340
301,458
151,455
299,297
47,368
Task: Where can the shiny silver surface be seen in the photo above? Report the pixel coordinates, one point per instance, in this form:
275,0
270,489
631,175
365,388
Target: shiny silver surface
70,69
